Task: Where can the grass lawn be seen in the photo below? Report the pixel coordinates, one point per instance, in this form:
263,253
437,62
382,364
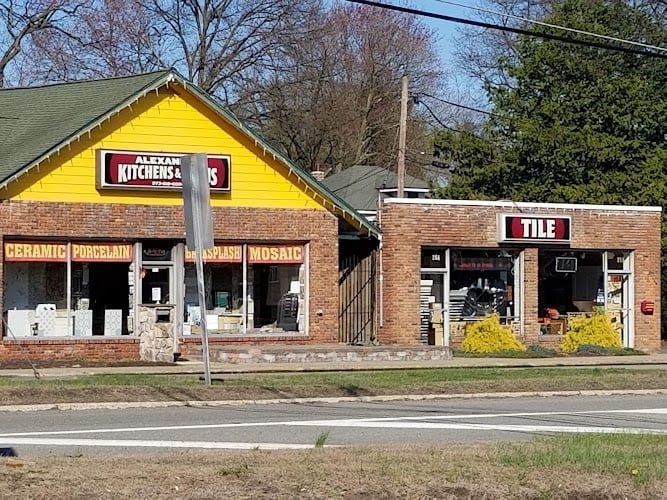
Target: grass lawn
100,388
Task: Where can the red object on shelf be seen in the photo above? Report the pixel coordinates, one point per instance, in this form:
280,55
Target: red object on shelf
647,306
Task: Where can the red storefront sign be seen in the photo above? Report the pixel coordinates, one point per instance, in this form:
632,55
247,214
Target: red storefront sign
32,251
145,170
534,228
275,254
219,253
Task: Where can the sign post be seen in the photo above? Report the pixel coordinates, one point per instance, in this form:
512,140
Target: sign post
198,232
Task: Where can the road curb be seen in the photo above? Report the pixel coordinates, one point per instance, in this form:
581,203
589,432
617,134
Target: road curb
332,400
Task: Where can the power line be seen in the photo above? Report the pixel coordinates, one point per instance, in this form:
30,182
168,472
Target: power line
439,120
518,31
477,110
555,26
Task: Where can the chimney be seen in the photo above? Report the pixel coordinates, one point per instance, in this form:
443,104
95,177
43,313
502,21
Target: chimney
317,172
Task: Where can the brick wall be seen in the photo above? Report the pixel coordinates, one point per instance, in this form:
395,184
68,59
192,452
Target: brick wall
69,349
138,222
408,227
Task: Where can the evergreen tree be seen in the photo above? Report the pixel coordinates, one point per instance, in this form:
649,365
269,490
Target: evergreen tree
576,124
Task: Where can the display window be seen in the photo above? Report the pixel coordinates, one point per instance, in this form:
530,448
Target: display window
459,286
248,289
99,295
60,289
223,292
276,296
574,283
276,280
483,282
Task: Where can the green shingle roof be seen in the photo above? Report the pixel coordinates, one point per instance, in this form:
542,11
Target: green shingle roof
35,122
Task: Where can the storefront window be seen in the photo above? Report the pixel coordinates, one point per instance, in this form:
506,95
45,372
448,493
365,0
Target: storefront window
100,298
35,298
276,296
28,284
223,292
459,286
574,283
274,287
569,282
482,283
38,302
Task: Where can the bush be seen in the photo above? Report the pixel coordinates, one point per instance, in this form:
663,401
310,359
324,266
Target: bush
596,330
488,335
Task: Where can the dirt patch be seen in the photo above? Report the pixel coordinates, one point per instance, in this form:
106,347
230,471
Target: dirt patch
454,471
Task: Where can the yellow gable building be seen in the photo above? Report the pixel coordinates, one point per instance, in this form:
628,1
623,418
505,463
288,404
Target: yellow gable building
94,260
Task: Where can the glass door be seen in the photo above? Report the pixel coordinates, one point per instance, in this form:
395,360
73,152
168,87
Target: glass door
619,294
433,311
156,285
434,296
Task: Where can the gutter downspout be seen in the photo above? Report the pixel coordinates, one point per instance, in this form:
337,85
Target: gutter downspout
381,290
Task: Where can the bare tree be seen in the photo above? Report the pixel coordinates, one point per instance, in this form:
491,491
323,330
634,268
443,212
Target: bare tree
106,38
214,43
21,20
218,42
334,98
320,79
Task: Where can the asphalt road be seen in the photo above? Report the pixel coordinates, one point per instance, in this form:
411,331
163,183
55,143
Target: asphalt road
126,431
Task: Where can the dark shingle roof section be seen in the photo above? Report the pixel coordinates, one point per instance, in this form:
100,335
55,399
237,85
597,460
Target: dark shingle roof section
36,120
359,185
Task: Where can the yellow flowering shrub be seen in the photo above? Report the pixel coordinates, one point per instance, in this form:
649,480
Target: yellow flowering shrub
595,330
488,335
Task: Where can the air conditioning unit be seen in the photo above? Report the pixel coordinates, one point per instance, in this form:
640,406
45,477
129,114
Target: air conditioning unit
566,264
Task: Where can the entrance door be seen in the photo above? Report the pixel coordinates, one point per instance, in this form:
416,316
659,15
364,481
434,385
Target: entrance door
156,285
433,304
618,293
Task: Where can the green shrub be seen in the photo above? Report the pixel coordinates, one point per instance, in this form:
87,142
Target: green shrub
596,330
488,335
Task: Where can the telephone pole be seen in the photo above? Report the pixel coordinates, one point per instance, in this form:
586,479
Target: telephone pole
401,136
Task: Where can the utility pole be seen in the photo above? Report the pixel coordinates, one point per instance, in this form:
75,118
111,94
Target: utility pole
401,136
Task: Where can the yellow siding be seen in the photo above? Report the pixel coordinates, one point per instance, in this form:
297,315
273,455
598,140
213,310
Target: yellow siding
169,123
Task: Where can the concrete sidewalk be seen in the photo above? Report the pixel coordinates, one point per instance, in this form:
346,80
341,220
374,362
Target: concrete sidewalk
652,361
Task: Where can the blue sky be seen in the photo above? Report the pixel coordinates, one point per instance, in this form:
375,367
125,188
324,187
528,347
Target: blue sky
446,30
460,87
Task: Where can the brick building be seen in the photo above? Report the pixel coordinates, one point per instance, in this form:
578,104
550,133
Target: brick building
95,265
448,263
92,235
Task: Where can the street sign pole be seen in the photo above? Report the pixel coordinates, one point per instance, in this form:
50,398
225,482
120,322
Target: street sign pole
198,232
199,263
